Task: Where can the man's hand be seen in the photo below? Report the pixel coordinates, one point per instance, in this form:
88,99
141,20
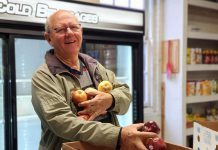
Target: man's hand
133,139
96,106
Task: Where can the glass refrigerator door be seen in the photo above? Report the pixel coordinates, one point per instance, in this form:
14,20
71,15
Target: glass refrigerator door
117,58
1,100
29,55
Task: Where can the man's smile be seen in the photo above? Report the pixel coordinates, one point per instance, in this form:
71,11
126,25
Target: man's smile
69,42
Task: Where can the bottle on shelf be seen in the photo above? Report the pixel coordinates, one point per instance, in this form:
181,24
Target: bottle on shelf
216,57
212,57
207,57
198,56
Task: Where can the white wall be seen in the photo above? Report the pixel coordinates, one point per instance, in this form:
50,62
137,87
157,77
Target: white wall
153,36
173,25
166,21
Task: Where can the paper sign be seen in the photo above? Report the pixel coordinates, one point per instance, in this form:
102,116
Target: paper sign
204,138
170,52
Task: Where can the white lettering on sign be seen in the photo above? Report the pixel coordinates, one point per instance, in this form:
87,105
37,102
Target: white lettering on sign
87,17
42,11
15,8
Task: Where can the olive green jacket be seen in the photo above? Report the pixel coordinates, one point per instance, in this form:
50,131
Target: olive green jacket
51,88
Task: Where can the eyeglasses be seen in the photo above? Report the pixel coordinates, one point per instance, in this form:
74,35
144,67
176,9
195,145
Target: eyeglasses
63,30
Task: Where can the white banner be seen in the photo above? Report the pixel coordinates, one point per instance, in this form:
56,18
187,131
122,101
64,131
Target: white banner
36,11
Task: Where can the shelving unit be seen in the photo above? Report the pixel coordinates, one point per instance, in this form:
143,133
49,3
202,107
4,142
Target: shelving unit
195,24
202,35
201,99
202,28
203,4
202,67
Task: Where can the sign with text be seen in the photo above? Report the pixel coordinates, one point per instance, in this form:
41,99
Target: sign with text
205,138
102,17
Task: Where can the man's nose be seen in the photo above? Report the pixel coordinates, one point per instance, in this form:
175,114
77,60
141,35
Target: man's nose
68,31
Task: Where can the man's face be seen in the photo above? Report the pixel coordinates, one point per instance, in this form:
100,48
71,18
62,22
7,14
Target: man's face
65,34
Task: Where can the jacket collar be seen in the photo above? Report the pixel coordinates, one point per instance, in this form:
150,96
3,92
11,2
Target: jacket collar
57,67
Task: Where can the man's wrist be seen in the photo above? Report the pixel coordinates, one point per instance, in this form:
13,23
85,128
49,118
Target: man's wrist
112,105
119,140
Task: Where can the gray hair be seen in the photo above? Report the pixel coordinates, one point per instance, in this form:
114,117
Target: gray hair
47,25
48,20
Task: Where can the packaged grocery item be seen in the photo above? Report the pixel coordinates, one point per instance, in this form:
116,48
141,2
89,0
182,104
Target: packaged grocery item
206,59
216,57
216,86
198,89
206,88
213,87
213,113
193,56
212,57
188,55
190,89
198,53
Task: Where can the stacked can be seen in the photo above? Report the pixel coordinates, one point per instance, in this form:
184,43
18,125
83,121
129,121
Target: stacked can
202,88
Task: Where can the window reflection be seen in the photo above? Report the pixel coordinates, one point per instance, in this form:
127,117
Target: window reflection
1,100
29,55
122,3
117,58
108,2
135,4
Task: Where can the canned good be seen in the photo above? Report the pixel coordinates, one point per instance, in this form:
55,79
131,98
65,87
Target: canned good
206,88
213,87
188,53
198,56
198,91
190,89
193,56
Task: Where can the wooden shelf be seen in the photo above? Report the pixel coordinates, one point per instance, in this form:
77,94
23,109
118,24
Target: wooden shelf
202,35
201,99
202,67
203,4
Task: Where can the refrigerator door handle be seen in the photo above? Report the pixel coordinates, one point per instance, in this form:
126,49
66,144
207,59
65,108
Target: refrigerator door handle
135,113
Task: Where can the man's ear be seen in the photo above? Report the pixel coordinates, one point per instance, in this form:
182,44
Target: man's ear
47,37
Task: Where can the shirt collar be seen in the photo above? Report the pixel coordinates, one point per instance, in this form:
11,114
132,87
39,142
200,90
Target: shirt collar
74,71
57,67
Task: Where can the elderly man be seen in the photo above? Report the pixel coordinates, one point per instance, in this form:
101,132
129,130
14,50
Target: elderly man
66,69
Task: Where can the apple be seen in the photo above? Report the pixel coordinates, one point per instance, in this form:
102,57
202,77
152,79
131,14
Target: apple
151,126
88,91
105,86
155,144
79,96
85,117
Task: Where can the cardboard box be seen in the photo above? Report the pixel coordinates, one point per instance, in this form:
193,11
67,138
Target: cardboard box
87,146
171,146
81,146
205,135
